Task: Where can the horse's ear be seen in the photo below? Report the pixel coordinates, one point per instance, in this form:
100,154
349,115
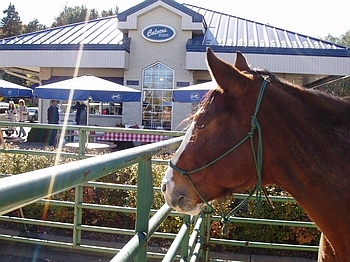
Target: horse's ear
228,77
241,62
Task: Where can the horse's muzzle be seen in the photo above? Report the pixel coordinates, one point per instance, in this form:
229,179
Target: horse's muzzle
179,201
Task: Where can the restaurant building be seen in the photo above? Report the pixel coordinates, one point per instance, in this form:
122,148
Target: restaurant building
158,46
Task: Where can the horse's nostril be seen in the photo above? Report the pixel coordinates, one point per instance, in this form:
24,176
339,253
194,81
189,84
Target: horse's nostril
163,187
180,199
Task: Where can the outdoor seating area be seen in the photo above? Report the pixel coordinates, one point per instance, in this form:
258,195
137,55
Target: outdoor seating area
98,139
13,139
91,146
7,136
144,138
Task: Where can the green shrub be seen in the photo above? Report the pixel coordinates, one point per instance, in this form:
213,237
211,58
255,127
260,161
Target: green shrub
268,233
37,135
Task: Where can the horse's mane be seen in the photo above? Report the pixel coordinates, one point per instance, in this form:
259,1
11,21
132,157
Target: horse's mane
328,108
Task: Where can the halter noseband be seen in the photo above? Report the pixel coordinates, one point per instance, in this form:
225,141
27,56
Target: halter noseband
257,160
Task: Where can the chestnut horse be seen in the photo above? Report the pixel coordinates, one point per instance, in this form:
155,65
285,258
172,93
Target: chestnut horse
299,140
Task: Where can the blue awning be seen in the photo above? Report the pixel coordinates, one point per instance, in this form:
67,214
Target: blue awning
194,93
8,89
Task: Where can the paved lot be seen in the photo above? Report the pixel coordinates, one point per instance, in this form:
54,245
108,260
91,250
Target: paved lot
17,252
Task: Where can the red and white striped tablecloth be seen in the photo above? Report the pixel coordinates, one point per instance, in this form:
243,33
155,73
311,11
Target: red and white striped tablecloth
146,138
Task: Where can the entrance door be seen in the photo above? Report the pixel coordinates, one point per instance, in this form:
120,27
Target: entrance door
158,83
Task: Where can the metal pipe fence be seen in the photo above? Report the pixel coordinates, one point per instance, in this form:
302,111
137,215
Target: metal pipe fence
189,244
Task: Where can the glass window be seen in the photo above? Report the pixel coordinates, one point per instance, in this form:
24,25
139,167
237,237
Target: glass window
109,109
95,107
158,82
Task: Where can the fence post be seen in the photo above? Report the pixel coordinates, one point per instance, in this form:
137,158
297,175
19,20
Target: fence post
144,203
206,234
185,249
82,142
202,234
78,215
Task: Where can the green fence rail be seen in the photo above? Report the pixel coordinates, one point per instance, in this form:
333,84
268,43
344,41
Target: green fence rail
189,244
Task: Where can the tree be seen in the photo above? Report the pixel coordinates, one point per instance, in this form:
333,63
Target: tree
14,79
341,86
110,12
342,40
345,39
105,13
33,26
71,15
11,24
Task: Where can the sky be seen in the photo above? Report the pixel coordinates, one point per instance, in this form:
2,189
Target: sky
311,18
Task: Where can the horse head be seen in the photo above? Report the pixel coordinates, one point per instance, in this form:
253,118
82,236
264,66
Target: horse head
201,169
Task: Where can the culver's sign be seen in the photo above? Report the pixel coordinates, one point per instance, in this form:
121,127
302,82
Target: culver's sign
195,97
158,33
116,97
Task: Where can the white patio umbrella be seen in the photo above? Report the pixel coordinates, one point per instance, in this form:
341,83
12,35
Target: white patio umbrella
88,87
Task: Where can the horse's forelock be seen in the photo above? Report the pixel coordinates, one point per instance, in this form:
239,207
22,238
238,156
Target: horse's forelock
202,106
208,98
264,72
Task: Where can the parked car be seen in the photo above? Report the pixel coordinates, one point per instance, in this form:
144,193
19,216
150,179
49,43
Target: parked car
3,107
3,117
33,114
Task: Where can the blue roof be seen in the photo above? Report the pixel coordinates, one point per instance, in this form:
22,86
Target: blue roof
100,34
224,33
196,17
228,33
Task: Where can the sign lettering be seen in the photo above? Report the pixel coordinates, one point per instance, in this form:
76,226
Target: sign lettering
158,33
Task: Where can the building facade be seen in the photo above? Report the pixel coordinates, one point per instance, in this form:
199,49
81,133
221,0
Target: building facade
158,46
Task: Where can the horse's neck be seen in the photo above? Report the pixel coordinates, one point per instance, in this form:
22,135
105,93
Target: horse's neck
307,146
312,134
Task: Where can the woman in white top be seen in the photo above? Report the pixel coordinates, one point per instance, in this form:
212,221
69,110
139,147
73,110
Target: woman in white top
11,112
22,116
12,117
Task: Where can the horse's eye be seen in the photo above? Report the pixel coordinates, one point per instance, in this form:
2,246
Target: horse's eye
200,126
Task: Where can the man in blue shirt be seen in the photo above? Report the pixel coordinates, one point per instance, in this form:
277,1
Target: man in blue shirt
53,117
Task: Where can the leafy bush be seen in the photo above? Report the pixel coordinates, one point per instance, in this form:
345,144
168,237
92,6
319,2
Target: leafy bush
37,135
22,163
267,233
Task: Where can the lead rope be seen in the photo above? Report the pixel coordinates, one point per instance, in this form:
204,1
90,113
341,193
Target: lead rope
258,157
257,161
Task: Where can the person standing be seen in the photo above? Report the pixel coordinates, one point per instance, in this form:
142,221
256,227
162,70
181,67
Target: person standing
166,118
12,117
77,112
22,116
11,112
52,118
81,114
